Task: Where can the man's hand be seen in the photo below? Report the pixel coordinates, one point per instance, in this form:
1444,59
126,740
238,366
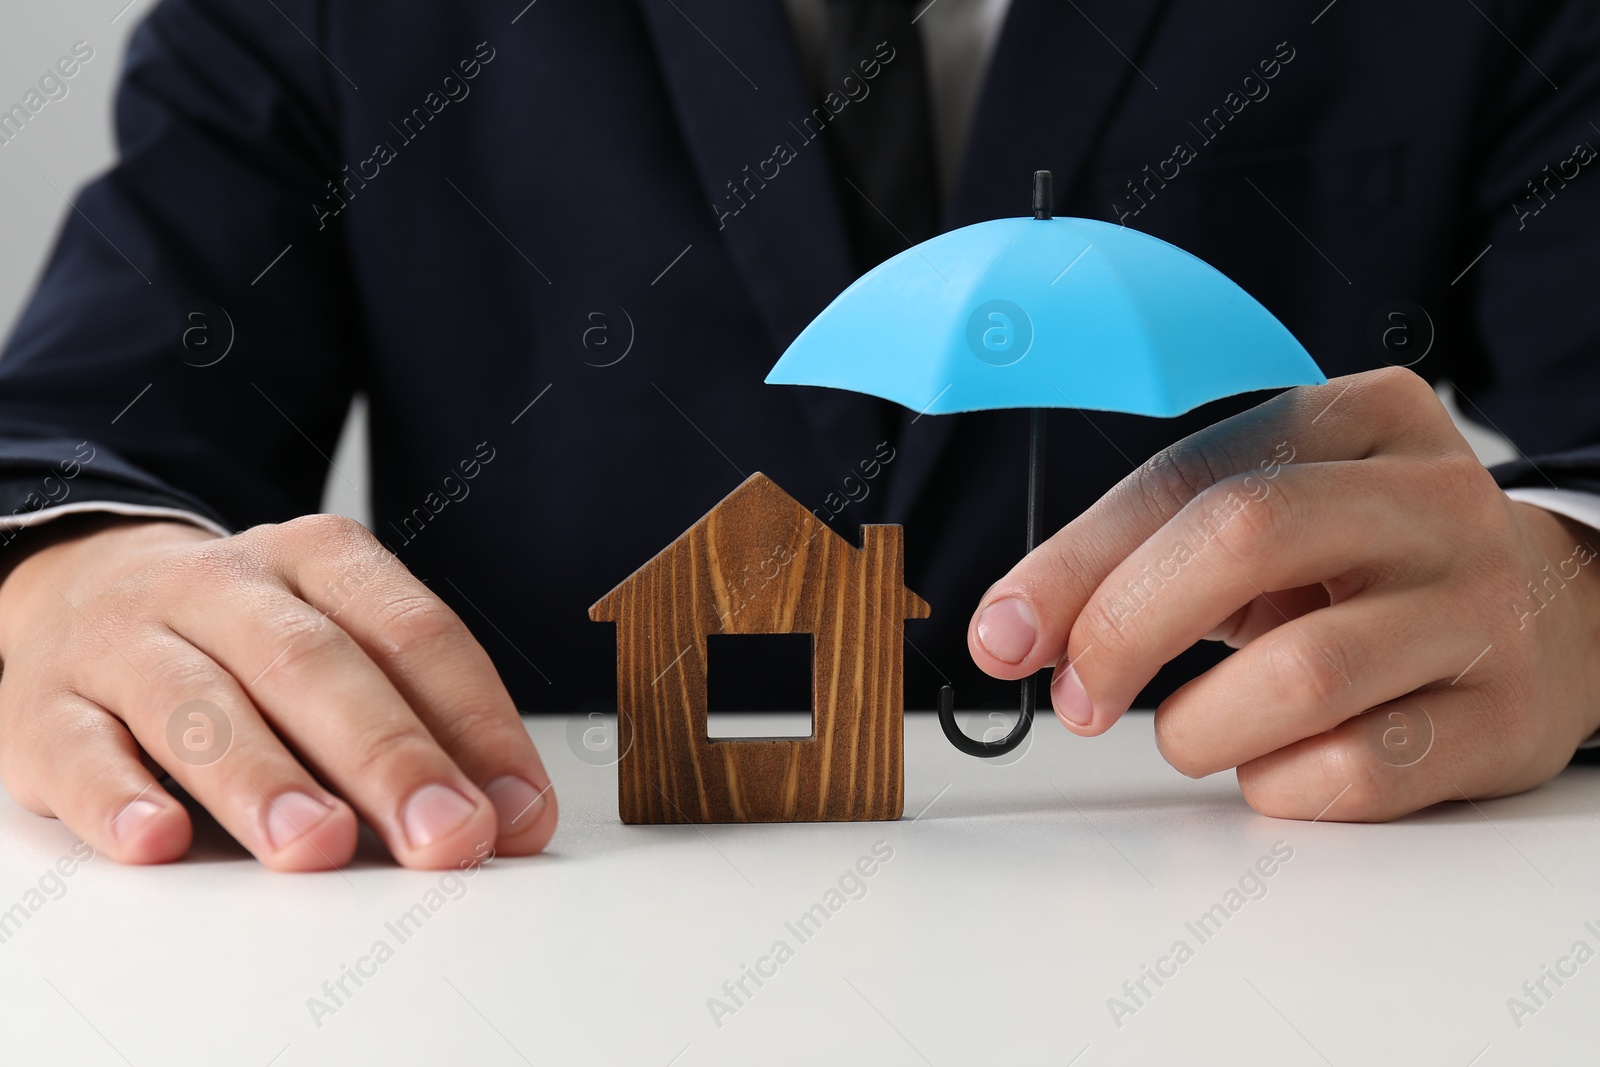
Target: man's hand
290,678
1407,634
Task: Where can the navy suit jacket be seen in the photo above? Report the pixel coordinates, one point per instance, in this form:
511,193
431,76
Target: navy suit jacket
463,208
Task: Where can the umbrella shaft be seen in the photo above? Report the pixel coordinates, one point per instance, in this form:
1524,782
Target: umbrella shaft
1035,476
1035,535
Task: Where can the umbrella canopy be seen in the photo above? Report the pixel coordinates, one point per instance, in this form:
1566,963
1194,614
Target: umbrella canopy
1036,313
1053,312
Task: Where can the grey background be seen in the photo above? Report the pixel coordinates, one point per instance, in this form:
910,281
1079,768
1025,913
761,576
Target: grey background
70,141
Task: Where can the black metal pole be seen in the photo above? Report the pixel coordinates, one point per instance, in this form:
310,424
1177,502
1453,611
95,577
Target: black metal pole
1035,477
1030,684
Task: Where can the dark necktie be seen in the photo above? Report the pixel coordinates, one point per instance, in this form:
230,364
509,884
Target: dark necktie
882,139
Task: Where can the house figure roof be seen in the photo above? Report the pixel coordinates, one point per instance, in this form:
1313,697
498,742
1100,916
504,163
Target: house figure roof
753,531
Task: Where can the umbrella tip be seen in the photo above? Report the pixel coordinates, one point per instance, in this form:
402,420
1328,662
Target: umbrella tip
1041,194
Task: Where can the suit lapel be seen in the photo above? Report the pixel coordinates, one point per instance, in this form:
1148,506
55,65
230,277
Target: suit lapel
734,75
1052,83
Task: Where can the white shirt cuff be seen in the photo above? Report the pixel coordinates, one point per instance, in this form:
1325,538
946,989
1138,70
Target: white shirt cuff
151,511
1572,504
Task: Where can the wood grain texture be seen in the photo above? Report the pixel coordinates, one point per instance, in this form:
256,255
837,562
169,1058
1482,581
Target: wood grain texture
759,562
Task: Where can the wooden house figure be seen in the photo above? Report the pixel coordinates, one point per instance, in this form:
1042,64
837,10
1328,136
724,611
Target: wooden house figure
761,563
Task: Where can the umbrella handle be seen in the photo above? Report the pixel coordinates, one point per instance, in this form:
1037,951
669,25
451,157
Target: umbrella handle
1030,684
999,747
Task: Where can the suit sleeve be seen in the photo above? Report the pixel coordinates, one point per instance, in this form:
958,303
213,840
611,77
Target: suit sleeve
1529,366
193,341
1532,367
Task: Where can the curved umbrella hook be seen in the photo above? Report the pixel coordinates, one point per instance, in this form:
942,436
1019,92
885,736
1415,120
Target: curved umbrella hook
999,747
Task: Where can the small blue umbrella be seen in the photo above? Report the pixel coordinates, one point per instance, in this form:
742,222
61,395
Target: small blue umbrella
1037,313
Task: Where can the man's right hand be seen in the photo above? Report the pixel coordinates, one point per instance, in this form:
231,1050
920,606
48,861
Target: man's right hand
290,678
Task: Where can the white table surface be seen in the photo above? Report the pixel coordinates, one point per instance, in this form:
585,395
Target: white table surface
1012,909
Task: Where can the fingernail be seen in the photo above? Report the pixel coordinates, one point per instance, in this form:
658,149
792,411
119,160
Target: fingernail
1069,698
432,812
132,817
1007,629
291,815
517,804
